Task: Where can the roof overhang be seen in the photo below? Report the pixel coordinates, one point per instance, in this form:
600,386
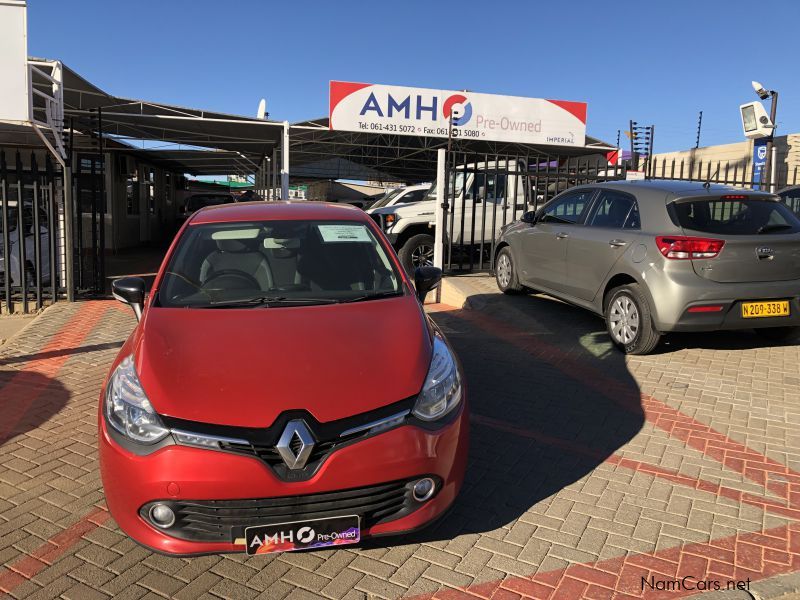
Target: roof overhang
219,143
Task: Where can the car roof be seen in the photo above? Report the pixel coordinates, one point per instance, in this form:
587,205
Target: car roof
676,187
287,211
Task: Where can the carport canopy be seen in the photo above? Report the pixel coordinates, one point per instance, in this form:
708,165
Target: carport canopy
220,143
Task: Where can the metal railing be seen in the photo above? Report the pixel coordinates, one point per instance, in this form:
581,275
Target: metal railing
486,192
32,221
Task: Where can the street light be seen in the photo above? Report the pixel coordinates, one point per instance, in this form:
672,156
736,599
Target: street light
763,93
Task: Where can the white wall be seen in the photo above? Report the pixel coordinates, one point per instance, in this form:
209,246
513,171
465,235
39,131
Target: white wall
14,101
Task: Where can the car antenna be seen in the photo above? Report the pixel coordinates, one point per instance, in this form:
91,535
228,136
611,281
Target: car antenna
707,183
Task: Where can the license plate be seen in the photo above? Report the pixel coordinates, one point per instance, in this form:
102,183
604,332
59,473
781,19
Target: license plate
301,535
756,310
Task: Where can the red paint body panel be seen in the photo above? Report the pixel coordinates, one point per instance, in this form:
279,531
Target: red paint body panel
243,367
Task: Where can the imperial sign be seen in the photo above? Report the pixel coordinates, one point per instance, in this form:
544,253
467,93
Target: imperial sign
424,112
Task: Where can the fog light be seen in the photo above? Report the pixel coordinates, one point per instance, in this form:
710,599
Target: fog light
424,489
162,515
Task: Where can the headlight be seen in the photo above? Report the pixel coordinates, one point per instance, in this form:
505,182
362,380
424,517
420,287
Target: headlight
442,390
127,408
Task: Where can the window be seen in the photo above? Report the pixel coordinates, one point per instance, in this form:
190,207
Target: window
722,216
151,190
414,196
132,193
168,188
568,208
615,210
294,262
791,198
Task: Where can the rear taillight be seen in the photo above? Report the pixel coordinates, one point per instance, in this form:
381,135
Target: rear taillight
678,247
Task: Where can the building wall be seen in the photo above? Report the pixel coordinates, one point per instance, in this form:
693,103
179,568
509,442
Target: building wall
734,159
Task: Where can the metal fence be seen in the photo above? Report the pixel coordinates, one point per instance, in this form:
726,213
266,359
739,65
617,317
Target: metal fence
486,192
32,245
738,173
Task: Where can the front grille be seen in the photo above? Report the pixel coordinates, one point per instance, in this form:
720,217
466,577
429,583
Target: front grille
269,454
260,442
226,520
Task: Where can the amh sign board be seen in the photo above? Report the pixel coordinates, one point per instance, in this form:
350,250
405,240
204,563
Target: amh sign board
366,107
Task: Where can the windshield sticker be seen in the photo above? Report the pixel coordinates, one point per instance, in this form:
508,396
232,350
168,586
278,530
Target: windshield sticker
344,233
235,234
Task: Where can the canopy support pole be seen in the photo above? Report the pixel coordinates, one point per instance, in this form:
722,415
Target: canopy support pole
285,162
441,210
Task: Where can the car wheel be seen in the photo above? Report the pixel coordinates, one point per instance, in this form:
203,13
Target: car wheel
417,252
504,273
780,334
629,320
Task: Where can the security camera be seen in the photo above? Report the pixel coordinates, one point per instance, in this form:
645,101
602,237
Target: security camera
755,122
762,93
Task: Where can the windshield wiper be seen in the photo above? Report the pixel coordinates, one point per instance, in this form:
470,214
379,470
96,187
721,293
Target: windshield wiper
268,301
374,296
774,227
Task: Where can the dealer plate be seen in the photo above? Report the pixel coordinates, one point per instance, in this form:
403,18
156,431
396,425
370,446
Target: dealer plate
301,535
757,310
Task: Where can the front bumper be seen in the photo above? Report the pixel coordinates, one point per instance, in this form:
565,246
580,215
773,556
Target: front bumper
179,473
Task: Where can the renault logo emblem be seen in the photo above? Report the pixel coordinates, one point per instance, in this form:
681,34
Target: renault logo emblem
296,444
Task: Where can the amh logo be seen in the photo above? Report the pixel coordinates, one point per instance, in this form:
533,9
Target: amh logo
460,107
419,106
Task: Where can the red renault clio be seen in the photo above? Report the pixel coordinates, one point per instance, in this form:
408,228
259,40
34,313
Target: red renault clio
282,390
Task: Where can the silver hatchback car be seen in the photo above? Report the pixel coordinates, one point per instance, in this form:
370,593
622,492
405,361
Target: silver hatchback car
660,256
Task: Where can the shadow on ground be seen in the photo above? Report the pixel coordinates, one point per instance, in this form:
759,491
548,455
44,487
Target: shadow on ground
27,401
541,387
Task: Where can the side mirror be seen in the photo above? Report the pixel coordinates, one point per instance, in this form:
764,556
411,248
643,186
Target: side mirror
130,290
529,217
426,279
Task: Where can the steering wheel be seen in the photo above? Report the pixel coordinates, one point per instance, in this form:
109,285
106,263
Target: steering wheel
191,282
251,281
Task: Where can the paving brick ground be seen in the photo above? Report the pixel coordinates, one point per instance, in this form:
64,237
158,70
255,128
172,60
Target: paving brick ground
588,472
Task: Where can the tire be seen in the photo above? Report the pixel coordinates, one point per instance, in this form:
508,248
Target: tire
780,334
505,274
417,252
637,333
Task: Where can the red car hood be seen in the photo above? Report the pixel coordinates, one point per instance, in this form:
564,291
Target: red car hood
244,367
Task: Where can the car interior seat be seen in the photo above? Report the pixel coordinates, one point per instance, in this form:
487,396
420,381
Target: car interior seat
238,255
336,266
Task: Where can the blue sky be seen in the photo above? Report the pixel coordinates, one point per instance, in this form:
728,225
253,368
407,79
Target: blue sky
654,62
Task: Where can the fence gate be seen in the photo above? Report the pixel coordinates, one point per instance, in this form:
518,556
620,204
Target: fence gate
32,220
486,192
89,201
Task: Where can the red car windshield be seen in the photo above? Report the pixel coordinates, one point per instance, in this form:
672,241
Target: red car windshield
277,263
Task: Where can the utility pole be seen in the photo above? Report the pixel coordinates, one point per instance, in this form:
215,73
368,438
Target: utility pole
770,160
699,125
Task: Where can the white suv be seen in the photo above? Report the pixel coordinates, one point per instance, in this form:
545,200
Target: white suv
494,193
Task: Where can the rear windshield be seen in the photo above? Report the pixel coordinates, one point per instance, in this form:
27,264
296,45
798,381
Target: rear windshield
723,216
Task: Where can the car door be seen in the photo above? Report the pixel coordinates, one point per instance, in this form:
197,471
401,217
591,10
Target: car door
593,249
543,246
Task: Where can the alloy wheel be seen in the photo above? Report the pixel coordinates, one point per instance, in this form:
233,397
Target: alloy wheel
624,318
422,256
